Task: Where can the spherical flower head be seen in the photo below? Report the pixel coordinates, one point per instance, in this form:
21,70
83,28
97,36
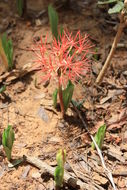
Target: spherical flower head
64,59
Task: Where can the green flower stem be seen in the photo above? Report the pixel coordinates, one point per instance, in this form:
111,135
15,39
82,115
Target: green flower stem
61,99
57,188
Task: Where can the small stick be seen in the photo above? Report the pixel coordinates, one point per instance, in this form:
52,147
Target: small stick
44,167
122,25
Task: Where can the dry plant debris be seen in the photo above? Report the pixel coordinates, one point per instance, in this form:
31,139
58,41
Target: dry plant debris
36,138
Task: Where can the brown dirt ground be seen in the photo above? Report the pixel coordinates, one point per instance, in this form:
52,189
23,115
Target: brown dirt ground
35,137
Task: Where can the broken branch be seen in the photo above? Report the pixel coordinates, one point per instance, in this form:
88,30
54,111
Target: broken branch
123,23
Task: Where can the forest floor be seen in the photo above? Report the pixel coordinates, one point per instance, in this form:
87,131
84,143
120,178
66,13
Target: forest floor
39,130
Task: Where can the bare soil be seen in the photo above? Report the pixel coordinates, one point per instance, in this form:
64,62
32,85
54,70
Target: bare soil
41,136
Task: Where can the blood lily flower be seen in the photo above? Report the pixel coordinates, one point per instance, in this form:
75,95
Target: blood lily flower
65,59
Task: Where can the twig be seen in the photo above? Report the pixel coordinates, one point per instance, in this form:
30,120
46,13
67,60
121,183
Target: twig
107,172
45,168
122,25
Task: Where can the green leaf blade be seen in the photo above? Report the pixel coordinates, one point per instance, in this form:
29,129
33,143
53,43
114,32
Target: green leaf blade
2,89
99,137
53,18
20,6
8,140
67,94
78,104
116,8
58,176
54,96
61,157
59,171
8,49
7,152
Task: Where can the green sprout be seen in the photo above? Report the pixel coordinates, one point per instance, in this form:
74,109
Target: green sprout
8,49
78,104
2,89
21,7
99,137
53,18
8,140
67,93
59,171
54,96
118,6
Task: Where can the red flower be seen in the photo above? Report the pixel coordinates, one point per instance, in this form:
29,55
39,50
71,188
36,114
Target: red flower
65,59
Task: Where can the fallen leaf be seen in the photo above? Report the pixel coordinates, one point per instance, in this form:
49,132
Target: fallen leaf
46,102
115,153
40,96
116,126
15,163
125,137
104,106
119,117
16,73
113,138
96,127
96,67
111,94
87,105
2,170
123,147
100,180
121,183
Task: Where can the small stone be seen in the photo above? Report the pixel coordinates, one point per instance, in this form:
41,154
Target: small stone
125,73
61,125
42,114
38,22
36,175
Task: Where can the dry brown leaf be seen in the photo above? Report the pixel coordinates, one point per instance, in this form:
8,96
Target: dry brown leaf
16,73
113,138
115,152
115,126
121,184
103,106
96,127
117,119
100,180
111,94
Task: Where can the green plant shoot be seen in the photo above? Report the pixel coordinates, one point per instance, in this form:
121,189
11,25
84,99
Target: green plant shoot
20,7
68,91
78,104
53,19
59,171
8,49
54,96
2,89
119,5
67,95
99,137
8,140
